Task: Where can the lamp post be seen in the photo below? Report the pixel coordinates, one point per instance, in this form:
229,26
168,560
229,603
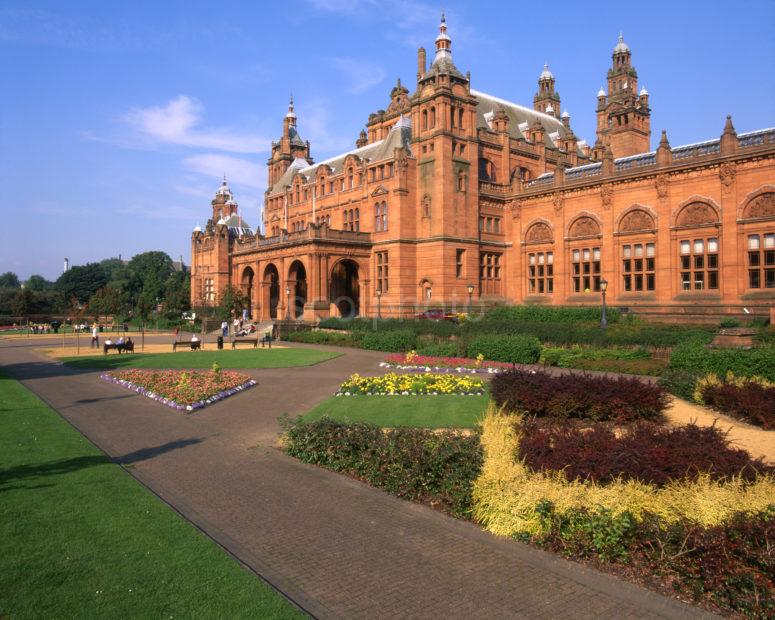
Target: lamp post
470,296
603,287
287,303
379,306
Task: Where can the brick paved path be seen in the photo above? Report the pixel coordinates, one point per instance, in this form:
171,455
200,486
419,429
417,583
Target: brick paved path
336,547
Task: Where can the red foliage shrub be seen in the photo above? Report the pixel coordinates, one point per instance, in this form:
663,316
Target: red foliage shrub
751,402
622,399
646,451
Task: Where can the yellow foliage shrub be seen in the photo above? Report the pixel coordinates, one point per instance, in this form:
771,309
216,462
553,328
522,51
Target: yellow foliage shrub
507,492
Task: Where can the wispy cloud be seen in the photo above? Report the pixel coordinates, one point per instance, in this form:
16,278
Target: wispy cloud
179,122
215,165
359,74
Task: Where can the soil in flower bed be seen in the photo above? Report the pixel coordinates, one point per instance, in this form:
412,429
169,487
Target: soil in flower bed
182,389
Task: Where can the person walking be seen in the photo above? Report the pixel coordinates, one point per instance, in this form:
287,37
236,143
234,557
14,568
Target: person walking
224,329
95,337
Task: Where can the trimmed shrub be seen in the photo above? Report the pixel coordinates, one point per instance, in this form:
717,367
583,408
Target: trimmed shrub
439,349
633,361
751,400
393,341
647,452
728,566
514,349
319,337
679,382
756,362
437,468
552,314
622,399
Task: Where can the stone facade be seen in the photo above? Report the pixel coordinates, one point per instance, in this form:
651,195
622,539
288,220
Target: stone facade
453,196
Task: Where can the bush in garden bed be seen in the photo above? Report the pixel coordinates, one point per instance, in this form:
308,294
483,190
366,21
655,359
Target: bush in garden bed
756,362
412,384
553,314
751,399
396,340
599,398
632,361
417,464
518,349
322,337
648,452
727,566
679,382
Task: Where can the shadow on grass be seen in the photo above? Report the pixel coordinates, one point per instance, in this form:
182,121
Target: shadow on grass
66,466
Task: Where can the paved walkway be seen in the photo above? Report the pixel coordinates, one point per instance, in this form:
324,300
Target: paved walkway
336,547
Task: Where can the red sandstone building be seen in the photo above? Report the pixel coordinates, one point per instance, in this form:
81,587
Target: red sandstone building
452,195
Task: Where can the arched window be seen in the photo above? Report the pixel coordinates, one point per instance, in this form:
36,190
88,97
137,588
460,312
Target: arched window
425,119
452,116
433,117
461,181
357,220
380,217
486,170
350,178
460,118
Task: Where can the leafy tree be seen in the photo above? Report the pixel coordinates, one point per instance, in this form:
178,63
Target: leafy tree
82,282
38,283
9,280
177,294
232,301
22,302
109,300
149,271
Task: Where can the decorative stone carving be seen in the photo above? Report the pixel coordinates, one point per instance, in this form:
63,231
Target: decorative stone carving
761,206
637,219
696,214
516,208
426,206
661,183
584,226
402,161
727,172
558,201
538,232
607,195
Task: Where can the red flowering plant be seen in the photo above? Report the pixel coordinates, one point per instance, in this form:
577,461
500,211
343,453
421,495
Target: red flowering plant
426,363
182,389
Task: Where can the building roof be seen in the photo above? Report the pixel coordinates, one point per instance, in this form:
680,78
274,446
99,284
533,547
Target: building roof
520,118
237,226
400,136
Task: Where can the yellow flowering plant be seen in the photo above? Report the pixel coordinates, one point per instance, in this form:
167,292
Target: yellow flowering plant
412,384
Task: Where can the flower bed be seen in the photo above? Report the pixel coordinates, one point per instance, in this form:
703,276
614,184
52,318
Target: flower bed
183,390
750,400
427,363
600,398
393,384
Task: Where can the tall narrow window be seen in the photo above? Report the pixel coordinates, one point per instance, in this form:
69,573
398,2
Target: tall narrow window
460,258
382,271
585,270
357,221
433,118
540,273
638,270
761,261
699,264
350,178
490,273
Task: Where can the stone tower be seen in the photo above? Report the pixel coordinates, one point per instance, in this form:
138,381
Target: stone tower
546,99
623,115
288,148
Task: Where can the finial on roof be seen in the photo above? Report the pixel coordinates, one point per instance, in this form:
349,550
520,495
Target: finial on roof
546,74
565,114
443,19
728,126
291,113
601,92
663,141
621,46
643,92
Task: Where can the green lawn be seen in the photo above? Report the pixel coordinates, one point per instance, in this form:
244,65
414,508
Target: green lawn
441,411
247,358
80,538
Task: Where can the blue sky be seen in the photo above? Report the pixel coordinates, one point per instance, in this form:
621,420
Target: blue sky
118,119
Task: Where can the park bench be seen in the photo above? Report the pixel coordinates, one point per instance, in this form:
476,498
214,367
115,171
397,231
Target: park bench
128,347
236,341
194,346
267,339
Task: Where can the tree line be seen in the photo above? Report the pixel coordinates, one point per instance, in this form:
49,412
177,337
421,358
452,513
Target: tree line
127,291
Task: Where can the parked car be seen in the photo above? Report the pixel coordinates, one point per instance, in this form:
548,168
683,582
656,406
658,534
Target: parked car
437,314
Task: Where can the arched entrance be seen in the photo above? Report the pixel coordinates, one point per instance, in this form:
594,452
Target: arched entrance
271,290
297,277
345,288
247,288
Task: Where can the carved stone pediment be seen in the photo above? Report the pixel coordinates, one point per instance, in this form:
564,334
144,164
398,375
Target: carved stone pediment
696,214
540,231
379,191
584,226
762,205
635,220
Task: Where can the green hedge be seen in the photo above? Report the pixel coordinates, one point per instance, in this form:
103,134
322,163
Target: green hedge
552,314
514,349
319,337
393,341
696,358
414,463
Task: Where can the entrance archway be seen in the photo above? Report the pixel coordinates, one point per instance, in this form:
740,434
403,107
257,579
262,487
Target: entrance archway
247,288
271,289
345,288
297,276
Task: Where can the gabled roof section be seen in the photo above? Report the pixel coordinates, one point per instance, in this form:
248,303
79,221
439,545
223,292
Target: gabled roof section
520,118
400,136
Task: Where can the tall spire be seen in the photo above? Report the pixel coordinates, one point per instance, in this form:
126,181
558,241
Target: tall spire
291,114
443,42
